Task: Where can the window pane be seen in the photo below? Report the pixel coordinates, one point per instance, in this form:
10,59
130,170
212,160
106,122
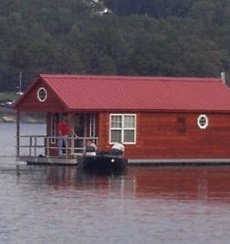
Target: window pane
116,121
129,121
128,135
115,135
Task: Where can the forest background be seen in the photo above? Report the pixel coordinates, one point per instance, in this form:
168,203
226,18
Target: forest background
121,37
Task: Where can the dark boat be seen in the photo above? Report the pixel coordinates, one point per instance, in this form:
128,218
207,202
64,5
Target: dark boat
103,163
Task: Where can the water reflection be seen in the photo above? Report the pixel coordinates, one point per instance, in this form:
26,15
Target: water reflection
181,183
191,183
54,204
61,177
147,205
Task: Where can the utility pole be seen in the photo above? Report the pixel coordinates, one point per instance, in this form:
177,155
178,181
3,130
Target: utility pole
20,84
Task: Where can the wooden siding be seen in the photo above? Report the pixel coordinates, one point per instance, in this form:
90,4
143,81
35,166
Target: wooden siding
174,136
103,131
162,136
32,104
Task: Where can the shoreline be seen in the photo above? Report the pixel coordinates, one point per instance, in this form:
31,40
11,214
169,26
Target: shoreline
8,115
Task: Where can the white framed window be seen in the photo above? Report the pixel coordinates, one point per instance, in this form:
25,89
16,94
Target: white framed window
123,128
202,121
42,94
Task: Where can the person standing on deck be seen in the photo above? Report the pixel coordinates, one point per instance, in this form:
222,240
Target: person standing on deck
63,133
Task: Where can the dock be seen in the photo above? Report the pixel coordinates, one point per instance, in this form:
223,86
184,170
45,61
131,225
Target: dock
179,162
48,161
44,160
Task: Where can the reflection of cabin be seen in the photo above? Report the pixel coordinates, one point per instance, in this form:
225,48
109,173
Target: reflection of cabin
158,119
189,183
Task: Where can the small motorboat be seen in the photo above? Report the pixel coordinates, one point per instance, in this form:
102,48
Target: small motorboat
103,162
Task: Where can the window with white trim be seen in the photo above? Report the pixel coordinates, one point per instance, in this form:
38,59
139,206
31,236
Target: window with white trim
123,128
42,94
202,121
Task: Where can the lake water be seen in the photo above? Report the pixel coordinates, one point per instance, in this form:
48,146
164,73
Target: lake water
54,204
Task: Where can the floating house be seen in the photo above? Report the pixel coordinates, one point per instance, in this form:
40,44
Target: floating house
158,119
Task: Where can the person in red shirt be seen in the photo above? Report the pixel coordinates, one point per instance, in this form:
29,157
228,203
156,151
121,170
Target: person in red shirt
63,133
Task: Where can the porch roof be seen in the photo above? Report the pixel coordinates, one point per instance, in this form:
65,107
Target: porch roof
126,93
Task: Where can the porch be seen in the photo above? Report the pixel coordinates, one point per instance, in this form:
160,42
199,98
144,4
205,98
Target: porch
39,149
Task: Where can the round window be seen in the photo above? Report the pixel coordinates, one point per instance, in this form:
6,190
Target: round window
202,121
42,94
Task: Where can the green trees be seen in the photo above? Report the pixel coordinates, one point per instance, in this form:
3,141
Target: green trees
155,8
139,37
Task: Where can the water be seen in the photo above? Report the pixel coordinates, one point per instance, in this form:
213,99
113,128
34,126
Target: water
53,204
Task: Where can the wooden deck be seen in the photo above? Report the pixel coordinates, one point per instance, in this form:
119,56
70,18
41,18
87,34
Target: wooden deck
36,150
179,162
48,161
131,162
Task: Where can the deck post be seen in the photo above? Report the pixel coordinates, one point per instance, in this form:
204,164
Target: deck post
70,143
35,146
18,134
85,133
30,146
47,149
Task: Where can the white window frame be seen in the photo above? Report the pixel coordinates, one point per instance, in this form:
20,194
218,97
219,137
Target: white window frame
122,128
202,121
42,89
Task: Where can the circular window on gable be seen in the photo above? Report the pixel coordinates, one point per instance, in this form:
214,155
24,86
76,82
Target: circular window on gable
202,121
42,94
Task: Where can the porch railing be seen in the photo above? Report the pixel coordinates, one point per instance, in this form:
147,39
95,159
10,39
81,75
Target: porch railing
37,145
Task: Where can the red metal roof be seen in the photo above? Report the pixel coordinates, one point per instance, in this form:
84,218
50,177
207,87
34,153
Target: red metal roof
94,92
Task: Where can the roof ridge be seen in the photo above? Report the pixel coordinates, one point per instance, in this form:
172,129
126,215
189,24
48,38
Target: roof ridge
124,77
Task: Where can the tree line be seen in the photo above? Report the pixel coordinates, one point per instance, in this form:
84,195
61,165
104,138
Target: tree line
132,37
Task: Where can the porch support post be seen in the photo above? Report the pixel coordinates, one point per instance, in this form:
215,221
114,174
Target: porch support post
18,134
70,146
50,134
85,132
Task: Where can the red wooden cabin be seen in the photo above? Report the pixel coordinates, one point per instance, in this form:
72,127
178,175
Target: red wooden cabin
158,119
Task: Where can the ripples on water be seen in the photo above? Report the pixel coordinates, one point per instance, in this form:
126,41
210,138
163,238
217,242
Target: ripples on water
53,204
